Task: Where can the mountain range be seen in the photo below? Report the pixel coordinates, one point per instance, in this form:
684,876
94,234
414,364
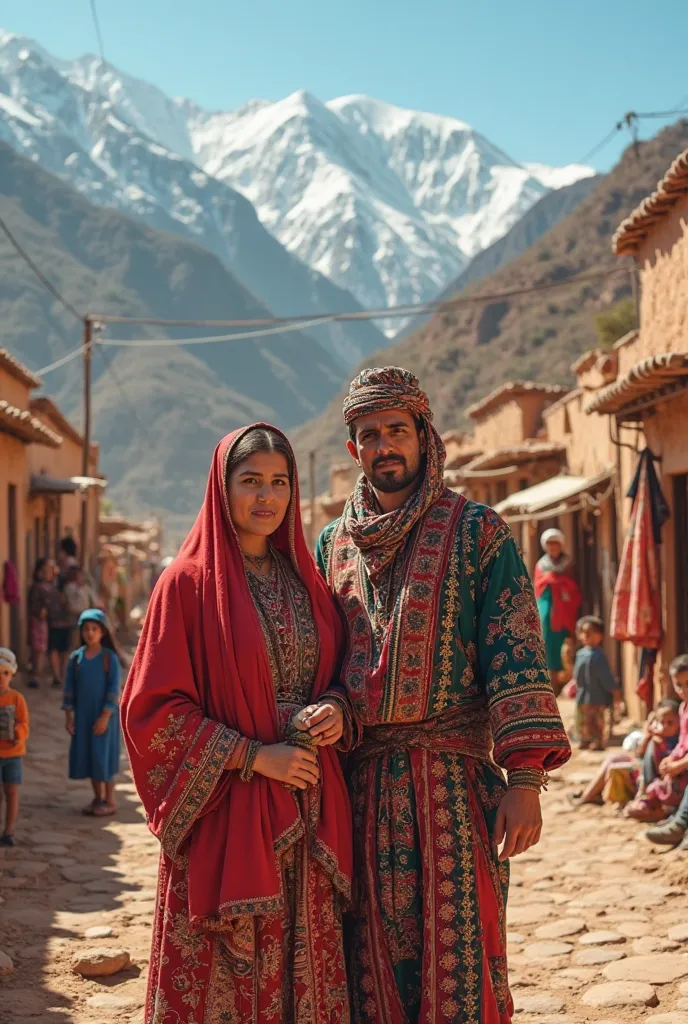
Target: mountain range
461,354
158,412
376,205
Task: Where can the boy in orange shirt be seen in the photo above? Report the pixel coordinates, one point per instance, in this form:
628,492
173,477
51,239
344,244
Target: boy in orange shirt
14,731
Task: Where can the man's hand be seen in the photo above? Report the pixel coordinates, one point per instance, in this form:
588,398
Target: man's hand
519,822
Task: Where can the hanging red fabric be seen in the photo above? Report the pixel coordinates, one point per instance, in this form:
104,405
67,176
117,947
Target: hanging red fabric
637,606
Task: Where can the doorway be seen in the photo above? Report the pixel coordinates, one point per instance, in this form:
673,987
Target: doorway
13,554
681,560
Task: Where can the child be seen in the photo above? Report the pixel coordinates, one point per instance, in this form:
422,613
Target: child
14,732
659,794
91,704
674,831
39,603
628,773
596,688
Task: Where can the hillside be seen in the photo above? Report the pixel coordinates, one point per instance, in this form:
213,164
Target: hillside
184,399
536,222
86,125
462,354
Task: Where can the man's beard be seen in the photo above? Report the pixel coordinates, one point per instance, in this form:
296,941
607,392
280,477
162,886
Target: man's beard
383,480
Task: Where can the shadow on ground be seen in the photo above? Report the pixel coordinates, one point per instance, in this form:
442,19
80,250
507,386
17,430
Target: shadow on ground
69,874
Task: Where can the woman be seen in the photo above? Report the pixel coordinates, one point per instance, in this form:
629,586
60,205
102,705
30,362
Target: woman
228,693
40,593
558,600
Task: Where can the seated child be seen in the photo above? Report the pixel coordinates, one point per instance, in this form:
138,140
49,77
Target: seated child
658,794
596,688
628,773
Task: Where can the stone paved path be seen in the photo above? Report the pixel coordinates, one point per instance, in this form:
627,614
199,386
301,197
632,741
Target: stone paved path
598,920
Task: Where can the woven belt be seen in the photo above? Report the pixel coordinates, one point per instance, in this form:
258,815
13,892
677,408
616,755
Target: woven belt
464,731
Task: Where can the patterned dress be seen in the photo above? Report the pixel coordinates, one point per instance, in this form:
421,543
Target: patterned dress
286,969
446,672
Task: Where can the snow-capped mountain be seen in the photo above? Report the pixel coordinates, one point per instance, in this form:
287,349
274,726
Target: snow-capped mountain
381,200
387,204
95,129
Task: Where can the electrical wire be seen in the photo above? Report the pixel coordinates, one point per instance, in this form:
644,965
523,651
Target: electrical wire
39,273
99,36
304,322
212,339
600,145
61,362
125,397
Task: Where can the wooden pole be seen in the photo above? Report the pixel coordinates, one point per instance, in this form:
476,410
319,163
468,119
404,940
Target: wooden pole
311,475
86,451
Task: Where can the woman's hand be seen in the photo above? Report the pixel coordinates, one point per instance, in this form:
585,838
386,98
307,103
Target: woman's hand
292,765
69,722
101,724
325,723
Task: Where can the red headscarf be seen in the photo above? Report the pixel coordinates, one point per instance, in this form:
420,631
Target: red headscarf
202,666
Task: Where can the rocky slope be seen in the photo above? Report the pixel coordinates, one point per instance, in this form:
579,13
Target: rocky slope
100,131
183,400
386,204
462,354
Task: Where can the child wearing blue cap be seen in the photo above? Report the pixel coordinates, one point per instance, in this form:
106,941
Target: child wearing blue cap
91,705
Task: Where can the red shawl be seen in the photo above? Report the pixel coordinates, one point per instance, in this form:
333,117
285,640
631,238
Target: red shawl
200,677
566,598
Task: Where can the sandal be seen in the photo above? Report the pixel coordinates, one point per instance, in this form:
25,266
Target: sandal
104,810
89,810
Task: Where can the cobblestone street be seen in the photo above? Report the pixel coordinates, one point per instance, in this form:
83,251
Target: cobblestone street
598,919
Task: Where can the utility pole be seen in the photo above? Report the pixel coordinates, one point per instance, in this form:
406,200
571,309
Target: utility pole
86,451
311,476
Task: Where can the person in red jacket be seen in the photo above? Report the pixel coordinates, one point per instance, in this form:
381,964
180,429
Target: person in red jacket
558,601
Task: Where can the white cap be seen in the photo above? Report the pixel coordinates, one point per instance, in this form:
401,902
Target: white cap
552,534
8,659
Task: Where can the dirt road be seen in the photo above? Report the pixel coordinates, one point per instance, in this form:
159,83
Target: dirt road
598,920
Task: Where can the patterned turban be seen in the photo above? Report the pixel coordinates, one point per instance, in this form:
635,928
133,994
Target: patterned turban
385,387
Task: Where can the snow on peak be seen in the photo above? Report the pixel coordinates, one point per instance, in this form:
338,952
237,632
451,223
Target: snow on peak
388,203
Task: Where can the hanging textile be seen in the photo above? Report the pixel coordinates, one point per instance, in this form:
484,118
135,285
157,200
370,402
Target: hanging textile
637,606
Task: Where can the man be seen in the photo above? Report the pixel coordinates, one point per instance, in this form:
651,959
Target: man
447,676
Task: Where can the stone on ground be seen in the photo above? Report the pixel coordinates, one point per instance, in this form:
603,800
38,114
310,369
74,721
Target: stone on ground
617,993
99,931
106,1001
541,1002
561,929
595,955
679,933
601,938
547,949
100,962
6,965
656,969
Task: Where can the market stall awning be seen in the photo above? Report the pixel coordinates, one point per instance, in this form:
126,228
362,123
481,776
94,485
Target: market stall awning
41,483
555,496
652,380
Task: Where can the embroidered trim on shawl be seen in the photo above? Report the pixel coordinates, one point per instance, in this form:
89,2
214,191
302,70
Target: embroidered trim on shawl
204,774
407,653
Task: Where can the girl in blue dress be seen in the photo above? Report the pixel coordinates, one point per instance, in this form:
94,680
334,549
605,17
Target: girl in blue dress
91,705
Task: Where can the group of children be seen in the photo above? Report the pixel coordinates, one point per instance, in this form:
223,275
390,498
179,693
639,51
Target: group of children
91,706
648,778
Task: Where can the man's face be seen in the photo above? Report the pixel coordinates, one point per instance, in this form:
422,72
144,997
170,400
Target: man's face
389,449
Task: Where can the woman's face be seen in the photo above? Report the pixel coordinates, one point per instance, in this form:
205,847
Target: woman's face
259,491
553,549
47,573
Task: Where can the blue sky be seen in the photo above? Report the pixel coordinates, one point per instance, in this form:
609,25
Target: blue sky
543,79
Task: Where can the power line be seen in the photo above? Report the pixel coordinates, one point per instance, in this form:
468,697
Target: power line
61,362
122,390
600,145
99,36
446,305
39,273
